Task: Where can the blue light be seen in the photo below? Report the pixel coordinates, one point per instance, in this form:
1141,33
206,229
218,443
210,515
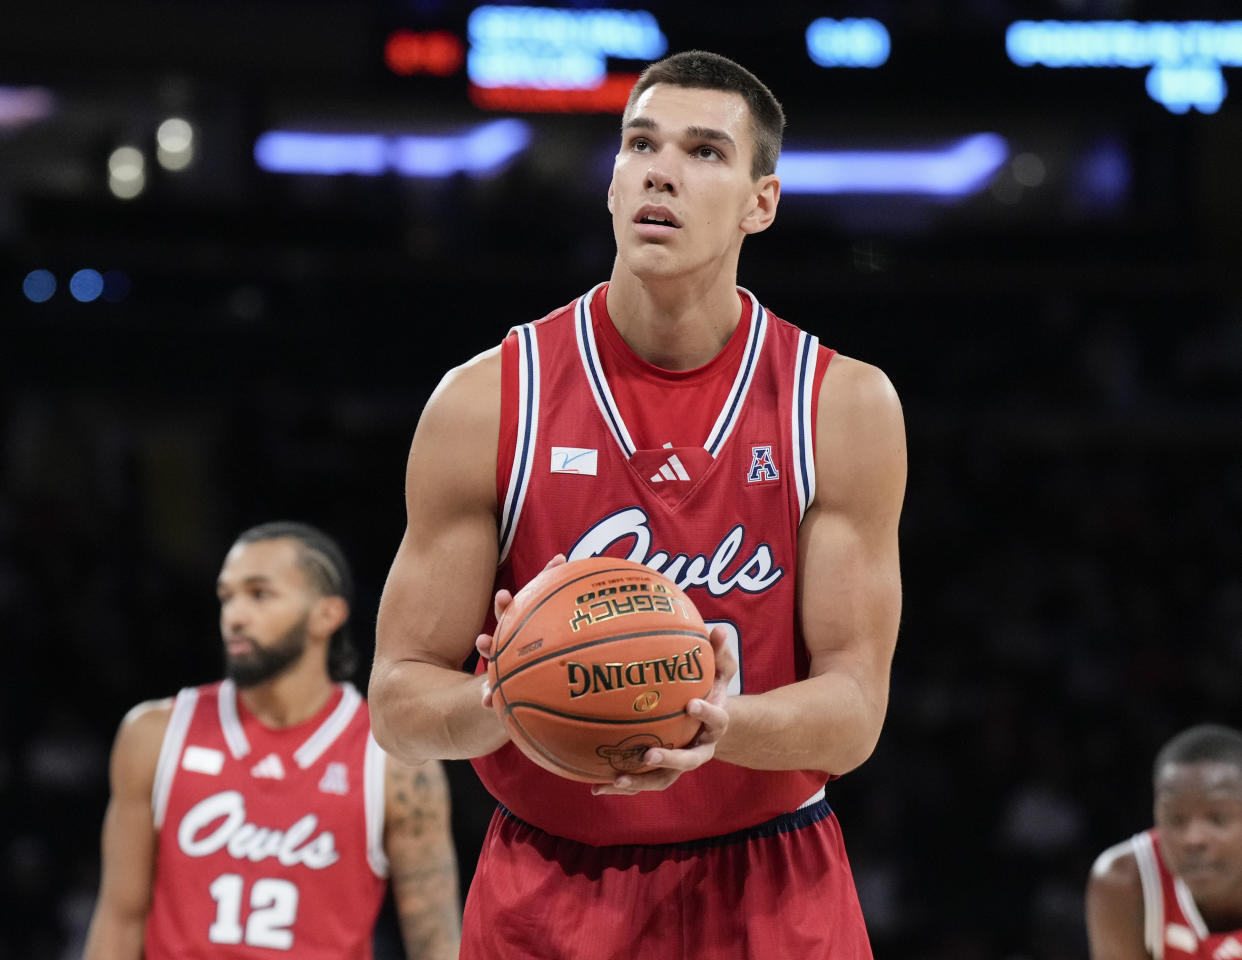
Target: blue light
283,151
1179,88
554,48
1185,57
478,151
957,170
39,285
848,43
86,285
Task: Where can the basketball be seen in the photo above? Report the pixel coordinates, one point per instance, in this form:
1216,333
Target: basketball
593,664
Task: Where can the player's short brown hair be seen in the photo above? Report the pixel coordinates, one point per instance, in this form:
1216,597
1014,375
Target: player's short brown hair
701,70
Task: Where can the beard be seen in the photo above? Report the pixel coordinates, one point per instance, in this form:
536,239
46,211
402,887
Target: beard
264,663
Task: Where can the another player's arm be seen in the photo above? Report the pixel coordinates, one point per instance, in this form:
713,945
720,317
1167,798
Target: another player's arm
440,584
129,837
849,589
1115,907
422,862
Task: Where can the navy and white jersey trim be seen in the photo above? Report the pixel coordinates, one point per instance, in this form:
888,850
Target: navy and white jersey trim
741,383
729,414
528,422
803,436
589,352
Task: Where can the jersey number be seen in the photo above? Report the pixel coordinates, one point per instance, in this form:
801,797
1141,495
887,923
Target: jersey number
273,908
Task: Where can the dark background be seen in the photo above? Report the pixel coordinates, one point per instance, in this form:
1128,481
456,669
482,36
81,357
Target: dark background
1068,352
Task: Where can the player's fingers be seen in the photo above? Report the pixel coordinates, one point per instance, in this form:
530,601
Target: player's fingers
726,662
715,720
487,693
503,599
484,643
555,561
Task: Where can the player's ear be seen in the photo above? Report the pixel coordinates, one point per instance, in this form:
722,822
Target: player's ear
329,614
762,209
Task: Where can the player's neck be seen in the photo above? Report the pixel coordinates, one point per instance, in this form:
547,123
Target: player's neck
1221,917
677,324
291,698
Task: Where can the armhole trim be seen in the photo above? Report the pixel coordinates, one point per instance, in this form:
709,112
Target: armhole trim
374,803
170,752
527,429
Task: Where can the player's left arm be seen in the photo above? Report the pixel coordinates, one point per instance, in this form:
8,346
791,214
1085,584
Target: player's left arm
422,861
849,589
849,605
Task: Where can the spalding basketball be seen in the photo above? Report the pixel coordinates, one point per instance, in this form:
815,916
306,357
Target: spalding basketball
593,664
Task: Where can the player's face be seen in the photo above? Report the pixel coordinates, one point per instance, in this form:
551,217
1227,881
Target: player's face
1199,814
265,603
681,196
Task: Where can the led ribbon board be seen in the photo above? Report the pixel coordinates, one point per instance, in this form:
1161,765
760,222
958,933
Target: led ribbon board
479,151
853,42
1185,58
554,59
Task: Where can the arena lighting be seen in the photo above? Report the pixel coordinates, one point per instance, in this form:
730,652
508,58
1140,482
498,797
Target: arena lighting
853,42
39,286
22,105
955,171
552,59
476,152
437,52
1185,57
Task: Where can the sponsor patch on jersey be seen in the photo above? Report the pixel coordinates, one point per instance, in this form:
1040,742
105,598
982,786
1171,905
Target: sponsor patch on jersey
202,760
1181,938
575,460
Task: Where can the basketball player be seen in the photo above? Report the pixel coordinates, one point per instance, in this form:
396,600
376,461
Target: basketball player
668,417
257,817
1175,892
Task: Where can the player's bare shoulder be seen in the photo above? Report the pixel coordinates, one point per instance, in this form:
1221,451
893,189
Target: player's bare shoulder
853,388
136,749
860,439
470,388
1115,872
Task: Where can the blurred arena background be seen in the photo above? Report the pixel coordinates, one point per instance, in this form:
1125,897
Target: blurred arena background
240,241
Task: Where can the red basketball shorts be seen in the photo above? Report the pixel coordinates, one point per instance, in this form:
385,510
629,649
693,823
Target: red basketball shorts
781,889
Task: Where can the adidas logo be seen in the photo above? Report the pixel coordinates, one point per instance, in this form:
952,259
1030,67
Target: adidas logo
671,469
269,768
1229,950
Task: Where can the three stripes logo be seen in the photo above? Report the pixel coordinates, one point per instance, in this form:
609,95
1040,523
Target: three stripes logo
269,768
671,469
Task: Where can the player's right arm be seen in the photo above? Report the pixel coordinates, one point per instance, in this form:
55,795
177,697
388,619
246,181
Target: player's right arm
440,584
129,837
1115,907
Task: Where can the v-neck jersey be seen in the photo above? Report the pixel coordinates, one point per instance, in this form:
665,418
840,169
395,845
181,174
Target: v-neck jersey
644,393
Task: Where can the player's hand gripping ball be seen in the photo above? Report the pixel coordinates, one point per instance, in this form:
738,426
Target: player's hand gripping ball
593,664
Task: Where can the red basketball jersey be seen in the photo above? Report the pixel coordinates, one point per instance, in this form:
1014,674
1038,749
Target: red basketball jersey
270,841
1173,927
719,516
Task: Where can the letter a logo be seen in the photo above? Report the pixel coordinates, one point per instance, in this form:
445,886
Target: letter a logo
761,465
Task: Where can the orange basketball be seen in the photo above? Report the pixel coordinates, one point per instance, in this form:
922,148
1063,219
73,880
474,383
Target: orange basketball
593,665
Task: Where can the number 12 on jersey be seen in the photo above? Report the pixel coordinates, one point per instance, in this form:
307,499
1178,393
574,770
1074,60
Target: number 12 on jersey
273,908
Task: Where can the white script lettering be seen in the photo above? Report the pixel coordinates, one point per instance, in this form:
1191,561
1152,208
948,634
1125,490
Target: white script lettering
753,576
247,841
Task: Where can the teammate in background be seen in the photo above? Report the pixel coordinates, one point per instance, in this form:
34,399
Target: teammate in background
256,816
667,417
1175,891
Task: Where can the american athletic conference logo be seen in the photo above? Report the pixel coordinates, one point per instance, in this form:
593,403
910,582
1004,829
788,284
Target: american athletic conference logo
762,466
